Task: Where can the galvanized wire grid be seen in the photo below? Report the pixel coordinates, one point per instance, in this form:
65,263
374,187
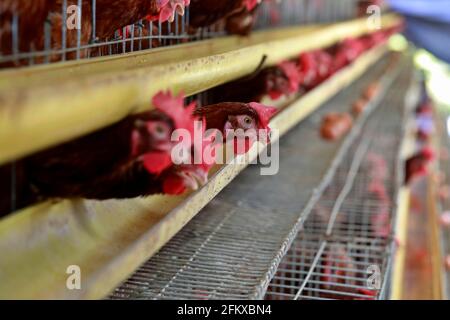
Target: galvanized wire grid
349,231
347,243
232,248
147,35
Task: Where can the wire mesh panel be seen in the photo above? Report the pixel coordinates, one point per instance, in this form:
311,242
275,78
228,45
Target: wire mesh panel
42,31
344,250
232,248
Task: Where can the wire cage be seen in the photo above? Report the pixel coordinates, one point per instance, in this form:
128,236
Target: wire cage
237,247
341,249
136,37
343,241
345,248
22,45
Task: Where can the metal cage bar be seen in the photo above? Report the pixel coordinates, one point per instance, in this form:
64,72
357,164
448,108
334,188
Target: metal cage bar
271,14
233,247
331,258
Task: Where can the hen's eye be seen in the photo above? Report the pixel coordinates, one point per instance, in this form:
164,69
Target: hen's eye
247,120
158,130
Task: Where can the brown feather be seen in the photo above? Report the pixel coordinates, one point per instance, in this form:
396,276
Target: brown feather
251,89
113,15
110,16
242,22
204,13
85,166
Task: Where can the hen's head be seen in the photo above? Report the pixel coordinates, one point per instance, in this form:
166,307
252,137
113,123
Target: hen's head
292,73
152,132
236,115
151,137
325,61
425,108
264,114
421,161
307,68
278,81
352,47
251,119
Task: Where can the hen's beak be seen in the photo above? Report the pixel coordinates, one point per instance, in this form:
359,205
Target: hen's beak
194,178
201,176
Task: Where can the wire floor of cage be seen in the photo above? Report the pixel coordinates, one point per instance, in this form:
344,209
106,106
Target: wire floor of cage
235,246
347,237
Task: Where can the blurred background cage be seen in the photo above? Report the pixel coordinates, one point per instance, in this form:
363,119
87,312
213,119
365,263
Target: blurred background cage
54,45
444,165
349,236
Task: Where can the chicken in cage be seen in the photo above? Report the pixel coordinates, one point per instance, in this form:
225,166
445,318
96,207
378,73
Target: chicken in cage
206,149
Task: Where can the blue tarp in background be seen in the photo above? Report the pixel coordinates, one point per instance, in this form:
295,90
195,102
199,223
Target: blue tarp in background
427,24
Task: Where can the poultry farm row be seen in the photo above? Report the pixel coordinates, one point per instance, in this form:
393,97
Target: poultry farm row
140,162
137,156
200,263
112,22
429,220
37,28
334,265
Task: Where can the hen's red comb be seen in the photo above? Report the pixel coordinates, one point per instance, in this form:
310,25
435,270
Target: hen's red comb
264,113
174,107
